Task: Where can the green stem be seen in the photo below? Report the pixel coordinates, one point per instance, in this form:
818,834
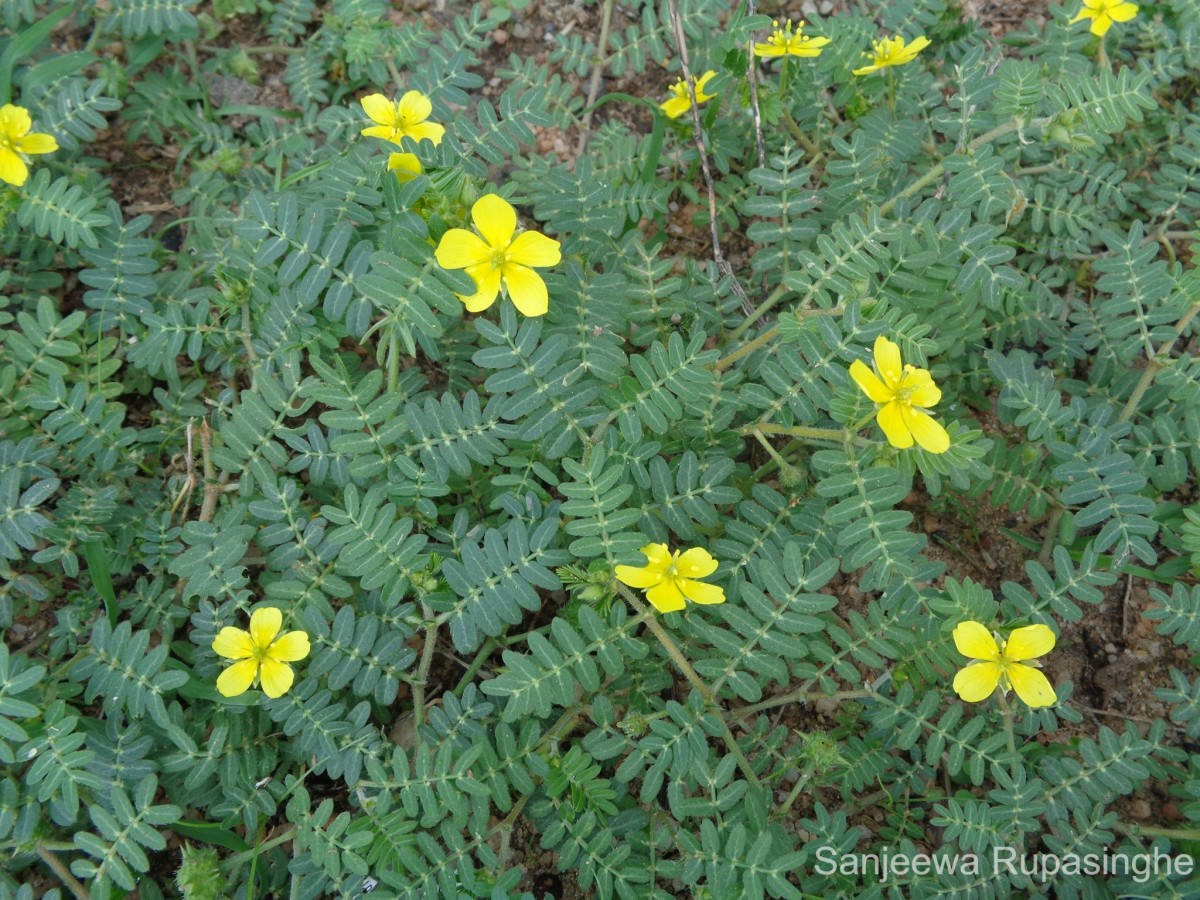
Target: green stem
761,310
64,874
689,673
476,664
801,784
799,697
836,435
937,171
783,80
1175,834
801,138
1009,735
393,361
255,852
749,347
1155,364
418,686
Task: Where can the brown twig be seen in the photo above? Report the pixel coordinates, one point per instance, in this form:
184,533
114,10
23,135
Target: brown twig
753,73
723,266
597,72
212,487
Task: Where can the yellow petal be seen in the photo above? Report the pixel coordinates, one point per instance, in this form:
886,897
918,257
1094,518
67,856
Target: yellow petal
237,678
702,83
526,290
529,248
12,167
384,132
1031,685
276,677
637,578
14,121
767,51
696,563
289,647
1029,642
379,109
413,107
264,625
699,592
916,46
922,390
926,430
233,643
887,362
867,70
407,167
976,642
1084,13
665,597
658,556
36,143
977,681
675,107
1123,13
495,219
1100,24
487,287
891,419
426,131
460,248
869,382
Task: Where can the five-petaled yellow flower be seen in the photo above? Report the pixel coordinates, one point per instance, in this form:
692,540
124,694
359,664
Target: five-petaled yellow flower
901,391
1003,664
1104,12
261,653
670,578
788,42
405,165
498,258
16,143
396,118
892,52
680,101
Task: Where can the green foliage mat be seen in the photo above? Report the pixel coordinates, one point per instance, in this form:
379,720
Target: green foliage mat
234,376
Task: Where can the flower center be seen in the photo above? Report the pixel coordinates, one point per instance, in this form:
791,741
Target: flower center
498,259
672,571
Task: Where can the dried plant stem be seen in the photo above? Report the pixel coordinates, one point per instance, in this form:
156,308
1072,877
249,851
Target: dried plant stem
212,487
723,266
597,73
752,71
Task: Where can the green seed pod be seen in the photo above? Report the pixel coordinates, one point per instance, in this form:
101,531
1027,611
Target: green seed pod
199,876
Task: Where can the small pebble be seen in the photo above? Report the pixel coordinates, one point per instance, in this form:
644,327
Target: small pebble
1170,812
1139,809
521,32
500,36
1110,648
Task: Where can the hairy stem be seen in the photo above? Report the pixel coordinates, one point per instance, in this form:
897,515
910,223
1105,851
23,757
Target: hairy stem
431,630
64,874
694,679
1155,363
597,73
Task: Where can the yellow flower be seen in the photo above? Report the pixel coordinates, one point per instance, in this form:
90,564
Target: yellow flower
669,579
680,101
1104,12
405,165
406,116
1003,664
260,653
499,258
900,390
892,52
786,42
16,143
